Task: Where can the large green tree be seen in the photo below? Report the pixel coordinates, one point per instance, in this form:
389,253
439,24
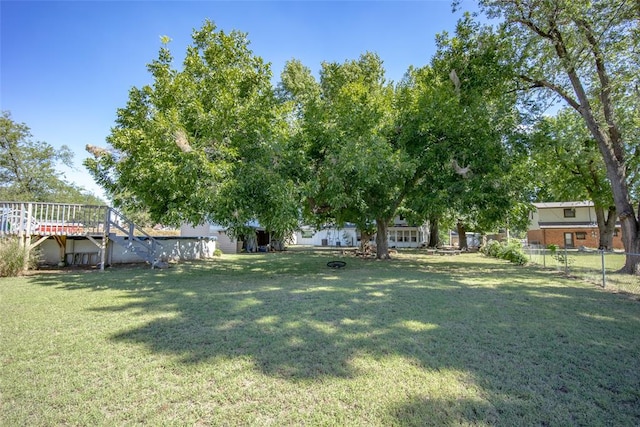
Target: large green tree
29,169
459,120
586,54
435,143
202,143
343,125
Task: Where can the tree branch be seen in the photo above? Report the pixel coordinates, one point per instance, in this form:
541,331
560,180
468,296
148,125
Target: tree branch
528,22
584,106
605,84
536,83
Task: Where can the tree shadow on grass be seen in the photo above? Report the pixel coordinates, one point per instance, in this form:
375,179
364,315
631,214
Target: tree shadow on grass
532,344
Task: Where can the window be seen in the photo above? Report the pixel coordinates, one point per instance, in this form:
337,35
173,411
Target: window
569,213
616,231
306,234
581,235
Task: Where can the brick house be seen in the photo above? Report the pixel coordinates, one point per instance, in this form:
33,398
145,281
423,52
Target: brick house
567,225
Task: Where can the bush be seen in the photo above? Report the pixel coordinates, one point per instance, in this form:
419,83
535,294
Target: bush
217,252
492,248
510,251
557,255
12,257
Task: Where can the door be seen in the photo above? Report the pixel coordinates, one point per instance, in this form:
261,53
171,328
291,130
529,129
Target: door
568,240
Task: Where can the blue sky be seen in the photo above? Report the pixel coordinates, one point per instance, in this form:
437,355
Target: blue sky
67,66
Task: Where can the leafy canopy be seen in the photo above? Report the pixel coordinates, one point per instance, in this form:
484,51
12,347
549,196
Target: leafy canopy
28,168
201,143
460,122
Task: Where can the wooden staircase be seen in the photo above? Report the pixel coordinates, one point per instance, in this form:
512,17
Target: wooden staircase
125,233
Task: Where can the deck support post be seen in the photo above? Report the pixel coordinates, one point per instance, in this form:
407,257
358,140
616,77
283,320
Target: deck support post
62,247
105,238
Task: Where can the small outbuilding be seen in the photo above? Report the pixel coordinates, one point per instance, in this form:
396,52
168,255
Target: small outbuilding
258,241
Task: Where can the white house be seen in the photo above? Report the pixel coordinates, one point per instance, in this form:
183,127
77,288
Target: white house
405,235
75,234
327,236
401,234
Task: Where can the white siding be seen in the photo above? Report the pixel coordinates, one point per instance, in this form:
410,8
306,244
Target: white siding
405,237
84,252
187,230
226,243
582,214
399,237
535,220
328,237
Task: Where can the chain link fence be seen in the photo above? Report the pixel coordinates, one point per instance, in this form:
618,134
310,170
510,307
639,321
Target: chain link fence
596,266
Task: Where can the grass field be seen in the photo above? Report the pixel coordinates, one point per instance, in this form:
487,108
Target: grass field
588,265
280,339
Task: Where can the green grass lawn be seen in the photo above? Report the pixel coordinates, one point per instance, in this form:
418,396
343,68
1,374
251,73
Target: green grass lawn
280,339
588,265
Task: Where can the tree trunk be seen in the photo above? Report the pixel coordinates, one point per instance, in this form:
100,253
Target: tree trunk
434,239
606,226
382,243
632,248
365,237
278,245
611,146
462,236
616,172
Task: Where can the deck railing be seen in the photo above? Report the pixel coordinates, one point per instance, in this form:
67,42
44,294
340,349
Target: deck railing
51,219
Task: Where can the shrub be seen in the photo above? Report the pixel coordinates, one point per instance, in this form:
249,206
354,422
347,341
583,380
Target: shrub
13,257
217,252
510,251
492,248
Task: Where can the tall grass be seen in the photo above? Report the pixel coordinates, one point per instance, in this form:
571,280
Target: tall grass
14,259
281,339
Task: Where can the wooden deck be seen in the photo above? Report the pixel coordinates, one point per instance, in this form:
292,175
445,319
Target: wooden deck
34,222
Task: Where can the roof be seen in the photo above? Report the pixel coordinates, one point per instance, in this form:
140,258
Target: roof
250,224
549,205
582,224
